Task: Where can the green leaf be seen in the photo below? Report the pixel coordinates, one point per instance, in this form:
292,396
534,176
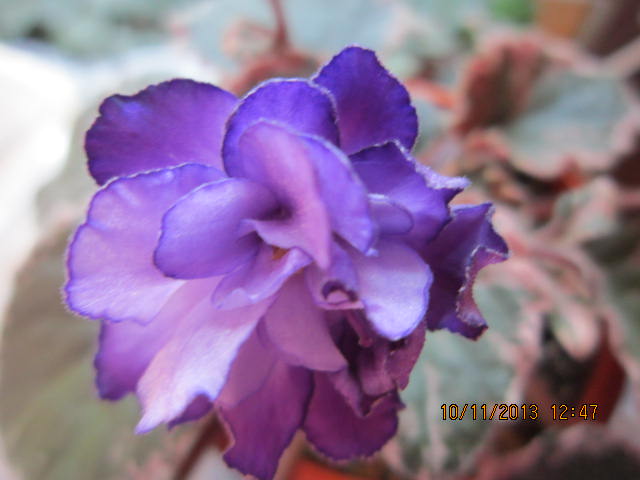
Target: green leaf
571,117
88,27
319,27
313,26
443,28
624,291
225,31
537,101
586,213
432,122
515,11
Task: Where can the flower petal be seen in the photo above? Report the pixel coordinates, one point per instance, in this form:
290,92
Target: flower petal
282,161
297,103
176,122
299,330
388,170
264,423
110,260
335,429
127,348
195,361
404,355
258,279
335,287
203,234
250,370
344,194
347,382
391,217
394,288
198,408
341,191
376,365
450,186
372,369
466,245
373,106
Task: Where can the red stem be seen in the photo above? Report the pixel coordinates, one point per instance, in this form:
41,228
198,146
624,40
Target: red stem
281,37
212,435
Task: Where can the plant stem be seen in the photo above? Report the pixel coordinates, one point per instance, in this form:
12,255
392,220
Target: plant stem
281,37
213,435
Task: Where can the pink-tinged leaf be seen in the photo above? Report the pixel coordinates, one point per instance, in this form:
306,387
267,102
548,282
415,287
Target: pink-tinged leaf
548,107
586,213
498,83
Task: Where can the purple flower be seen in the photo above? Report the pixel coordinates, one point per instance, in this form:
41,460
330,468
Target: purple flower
277,257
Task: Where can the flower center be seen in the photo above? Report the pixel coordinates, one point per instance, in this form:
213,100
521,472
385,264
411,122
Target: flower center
278,253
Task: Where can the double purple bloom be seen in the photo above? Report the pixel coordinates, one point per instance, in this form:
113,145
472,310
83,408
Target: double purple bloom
277,257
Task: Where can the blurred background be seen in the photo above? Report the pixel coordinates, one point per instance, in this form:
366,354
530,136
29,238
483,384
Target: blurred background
535,101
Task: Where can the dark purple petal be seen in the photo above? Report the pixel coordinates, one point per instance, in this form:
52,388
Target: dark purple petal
354,343
263,424
335,429
394,288
376,366
335,287
361,327
404,354
258,279
204,233
299,330
449,186
195,361
110,260
372,369
127,348
390,217
466,245
282,162
169,124
373,106
297,103
388,170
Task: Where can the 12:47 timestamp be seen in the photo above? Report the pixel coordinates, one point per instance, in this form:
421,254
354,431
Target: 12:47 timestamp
567,412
